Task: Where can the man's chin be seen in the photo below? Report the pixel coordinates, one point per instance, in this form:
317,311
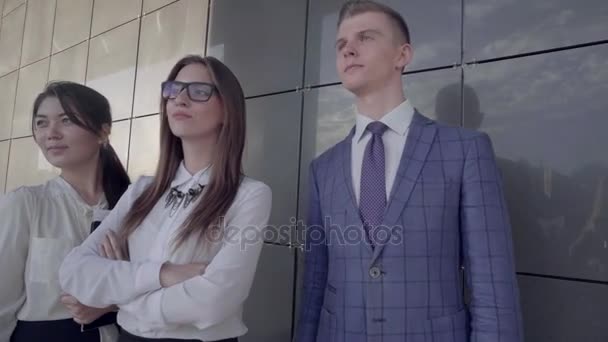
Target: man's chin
358,91
353,86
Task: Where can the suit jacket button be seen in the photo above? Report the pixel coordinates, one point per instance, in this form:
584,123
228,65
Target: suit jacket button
375,272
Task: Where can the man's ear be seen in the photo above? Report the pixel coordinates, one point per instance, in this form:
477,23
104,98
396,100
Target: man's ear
404,58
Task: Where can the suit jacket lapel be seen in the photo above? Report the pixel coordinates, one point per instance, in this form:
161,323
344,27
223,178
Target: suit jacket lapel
345,154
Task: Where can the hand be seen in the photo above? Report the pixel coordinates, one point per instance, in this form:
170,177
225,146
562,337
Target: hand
81,313
110,248
171,274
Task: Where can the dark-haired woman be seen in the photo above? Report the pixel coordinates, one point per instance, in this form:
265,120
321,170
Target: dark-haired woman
40,224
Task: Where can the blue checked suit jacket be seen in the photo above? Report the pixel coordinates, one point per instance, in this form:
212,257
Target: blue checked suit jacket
446,212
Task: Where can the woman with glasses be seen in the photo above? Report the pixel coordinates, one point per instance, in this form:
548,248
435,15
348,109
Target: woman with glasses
181,247
40,224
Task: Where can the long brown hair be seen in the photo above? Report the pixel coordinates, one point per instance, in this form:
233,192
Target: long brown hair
226,173
90,110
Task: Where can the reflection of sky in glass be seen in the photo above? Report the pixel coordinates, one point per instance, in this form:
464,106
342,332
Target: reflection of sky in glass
326,60
547,118
547,107
336,116
423,92
496,28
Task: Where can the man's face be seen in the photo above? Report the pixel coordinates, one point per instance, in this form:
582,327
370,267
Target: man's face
369,52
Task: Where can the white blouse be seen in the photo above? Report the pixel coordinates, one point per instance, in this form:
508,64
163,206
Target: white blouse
206,307
39,225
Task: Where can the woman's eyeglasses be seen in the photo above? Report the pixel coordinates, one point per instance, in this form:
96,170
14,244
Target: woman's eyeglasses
197,91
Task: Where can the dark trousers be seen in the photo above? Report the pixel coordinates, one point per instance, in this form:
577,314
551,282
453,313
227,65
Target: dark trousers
65,330
127,337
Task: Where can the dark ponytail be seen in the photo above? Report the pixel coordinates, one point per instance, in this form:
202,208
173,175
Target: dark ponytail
115,178
90,110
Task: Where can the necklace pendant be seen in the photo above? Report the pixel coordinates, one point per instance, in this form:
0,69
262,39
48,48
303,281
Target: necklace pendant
192,195
171,197
175,198
179,198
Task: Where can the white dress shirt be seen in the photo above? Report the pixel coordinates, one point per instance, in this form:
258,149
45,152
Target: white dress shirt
39,225
207,307
398,121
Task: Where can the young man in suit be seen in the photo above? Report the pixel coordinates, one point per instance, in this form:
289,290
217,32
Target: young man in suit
427,200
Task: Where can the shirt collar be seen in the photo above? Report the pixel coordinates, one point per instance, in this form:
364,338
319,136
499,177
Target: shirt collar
182,176
397,120
66,187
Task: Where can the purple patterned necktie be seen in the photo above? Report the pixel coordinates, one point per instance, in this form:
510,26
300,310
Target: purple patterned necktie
372,199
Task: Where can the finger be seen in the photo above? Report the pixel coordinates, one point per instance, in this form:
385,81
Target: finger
102,251
70,305
103,247
108,247
115,247
85,315
200,267
69,300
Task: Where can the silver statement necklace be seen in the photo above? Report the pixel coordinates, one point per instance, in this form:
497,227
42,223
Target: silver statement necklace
176,198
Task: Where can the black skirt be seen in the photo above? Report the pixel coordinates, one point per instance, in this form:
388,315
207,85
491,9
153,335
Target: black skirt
65,330
127,337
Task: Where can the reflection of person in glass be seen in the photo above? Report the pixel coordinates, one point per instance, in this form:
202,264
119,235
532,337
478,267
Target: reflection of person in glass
41,224
181,248
428,200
